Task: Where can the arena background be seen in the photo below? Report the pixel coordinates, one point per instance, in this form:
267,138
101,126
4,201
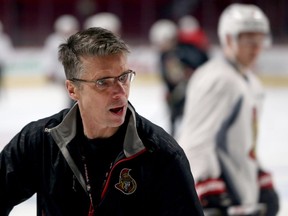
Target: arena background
26,95
29,21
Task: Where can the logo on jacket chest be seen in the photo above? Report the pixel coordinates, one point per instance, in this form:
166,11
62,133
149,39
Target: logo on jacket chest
126,184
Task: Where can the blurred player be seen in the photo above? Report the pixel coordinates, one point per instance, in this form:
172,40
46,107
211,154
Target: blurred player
178,60
190,32
219,131
64,26
6,47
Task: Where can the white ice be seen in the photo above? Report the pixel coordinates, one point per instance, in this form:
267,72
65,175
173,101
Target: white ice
18,106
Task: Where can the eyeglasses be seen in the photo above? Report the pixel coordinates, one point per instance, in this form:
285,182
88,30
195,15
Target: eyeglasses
104,83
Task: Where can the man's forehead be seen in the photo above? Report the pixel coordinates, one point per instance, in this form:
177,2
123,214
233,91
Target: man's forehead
252,34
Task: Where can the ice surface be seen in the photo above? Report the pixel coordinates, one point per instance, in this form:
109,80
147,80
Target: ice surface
18,106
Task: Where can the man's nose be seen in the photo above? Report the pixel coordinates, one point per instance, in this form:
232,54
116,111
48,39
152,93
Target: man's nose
118,87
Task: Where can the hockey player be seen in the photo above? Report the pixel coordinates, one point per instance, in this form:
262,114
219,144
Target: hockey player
219,131
6,48
178,60
190,32
64,26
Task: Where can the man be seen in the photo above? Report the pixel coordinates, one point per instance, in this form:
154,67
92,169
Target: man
177,61
100,157
219,128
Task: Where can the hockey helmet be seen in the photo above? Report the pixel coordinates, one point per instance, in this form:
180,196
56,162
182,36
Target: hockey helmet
188,23
162,31
238,18
66,24
105,20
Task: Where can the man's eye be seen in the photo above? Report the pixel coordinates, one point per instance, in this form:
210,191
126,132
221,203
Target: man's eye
123,78
101,82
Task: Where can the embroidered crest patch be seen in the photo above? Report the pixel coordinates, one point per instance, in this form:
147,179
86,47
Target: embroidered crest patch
126,184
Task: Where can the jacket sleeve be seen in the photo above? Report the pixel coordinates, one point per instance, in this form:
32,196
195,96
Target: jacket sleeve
18,167
177,189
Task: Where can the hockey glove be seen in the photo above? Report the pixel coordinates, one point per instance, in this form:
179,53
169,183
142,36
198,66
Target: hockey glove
213,194
268,195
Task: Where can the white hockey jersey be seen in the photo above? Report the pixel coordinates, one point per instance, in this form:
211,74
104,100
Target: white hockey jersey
52,66
218,131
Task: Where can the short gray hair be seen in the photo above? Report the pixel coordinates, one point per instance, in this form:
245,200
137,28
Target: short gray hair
94,41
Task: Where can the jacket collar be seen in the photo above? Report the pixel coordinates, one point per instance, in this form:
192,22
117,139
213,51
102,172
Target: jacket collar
66,131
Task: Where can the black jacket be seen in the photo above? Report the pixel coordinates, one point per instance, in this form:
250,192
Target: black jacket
150,177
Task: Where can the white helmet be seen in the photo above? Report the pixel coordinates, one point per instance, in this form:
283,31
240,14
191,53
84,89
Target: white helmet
105,20
66,24
188,23
162,31
238,18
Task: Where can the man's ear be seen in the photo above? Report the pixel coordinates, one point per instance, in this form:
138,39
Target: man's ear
71,88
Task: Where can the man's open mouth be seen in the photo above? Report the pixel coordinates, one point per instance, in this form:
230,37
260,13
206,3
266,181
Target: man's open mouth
117,110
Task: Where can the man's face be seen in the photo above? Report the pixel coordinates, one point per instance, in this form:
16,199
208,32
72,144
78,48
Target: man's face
103,108
249,46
